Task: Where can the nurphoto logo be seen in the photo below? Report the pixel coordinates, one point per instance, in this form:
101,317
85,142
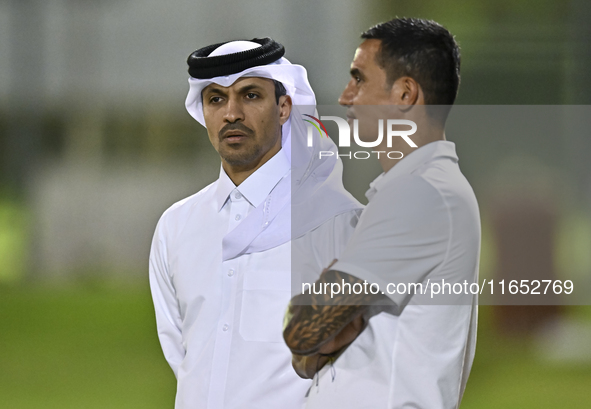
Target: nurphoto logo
345,136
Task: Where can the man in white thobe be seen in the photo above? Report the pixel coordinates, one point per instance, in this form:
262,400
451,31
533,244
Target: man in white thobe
221,260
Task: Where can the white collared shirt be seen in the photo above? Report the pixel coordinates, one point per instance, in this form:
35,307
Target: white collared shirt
422,223
220,322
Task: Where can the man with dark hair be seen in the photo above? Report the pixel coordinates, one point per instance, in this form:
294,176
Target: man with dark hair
279,90
420,49
392,344
221,259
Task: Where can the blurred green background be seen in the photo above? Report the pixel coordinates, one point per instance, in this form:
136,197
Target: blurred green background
95,144
95,347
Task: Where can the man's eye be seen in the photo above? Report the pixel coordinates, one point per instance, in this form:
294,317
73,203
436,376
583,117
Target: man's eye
357,79
251,95
214,100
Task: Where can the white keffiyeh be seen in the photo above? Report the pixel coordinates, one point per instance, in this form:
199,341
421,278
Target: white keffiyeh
314,192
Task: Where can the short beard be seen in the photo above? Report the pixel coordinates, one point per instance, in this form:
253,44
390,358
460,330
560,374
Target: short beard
242,158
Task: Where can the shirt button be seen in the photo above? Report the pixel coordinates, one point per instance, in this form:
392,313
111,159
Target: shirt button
231,272
225,327
237,217
237,195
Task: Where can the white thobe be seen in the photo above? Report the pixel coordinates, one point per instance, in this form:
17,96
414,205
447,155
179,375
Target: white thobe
220,322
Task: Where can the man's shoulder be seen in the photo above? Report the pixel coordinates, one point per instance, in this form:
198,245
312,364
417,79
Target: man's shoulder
189,203
451,184
409,188
435,197
409,204
435,183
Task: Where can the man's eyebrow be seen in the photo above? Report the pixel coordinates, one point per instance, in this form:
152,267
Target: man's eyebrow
249,87
214,90
356,73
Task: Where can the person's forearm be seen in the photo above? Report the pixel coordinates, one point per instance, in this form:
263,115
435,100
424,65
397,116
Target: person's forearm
320,326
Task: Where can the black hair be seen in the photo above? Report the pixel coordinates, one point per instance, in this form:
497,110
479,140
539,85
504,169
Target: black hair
279,90
423,50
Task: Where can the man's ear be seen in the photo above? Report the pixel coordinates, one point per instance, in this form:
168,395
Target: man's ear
284,108
406,91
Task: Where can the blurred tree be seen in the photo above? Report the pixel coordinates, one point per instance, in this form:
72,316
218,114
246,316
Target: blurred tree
26,90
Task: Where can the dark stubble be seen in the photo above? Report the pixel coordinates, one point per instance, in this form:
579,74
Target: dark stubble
240,154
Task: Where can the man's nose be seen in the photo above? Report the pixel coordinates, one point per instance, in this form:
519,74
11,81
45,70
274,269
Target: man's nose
346,97
234,111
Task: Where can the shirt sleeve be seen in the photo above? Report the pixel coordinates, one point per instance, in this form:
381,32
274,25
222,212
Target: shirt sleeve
402,237
168,317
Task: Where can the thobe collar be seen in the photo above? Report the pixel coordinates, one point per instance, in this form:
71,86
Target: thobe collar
412,162
257,186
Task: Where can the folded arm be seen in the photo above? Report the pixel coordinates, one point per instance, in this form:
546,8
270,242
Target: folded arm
319,327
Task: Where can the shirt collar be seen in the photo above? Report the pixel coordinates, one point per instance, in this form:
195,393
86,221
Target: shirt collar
257,186
413,161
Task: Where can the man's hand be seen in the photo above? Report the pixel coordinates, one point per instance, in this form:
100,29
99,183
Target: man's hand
320,327
307,366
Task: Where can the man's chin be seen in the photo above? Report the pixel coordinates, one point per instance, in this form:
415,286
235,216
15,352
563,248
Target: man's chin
240,159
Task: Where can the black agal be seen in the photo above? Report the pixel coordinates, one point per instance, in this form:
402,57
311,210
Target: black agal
203,67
